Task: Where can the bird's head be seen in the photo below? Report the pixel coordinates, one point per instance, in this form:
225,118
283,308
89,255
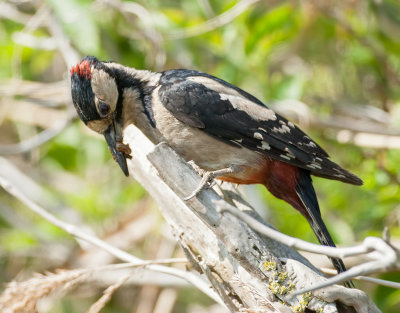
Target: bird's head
95,96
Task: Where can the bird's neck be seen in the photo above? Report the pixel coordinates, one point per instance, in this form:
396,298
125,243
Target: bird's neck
135,88
129,77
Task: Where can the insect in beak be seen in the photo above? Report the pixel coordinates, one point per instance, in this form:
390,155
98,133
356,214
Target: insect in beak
119,151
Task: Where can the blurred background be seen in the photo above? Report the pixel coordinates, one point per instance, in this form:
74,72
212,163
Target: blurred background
331,67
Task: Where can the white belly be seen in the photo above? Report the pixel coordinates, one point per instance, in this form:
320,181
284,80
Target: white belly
194,144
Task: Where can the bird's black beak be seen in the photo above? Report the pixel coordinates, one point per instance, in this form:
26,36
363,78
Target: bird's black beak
113,136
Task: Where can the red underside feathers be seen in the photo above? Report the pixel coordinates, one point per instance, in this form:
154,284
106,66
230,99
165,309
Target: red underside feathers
280,179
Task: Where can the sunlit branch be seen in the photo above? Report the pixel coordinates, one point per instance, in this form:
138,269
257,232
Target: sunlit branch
384,256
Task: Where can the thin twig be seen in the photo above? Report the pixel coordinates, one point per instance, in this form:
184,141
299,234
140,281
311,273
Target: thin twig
10,12
373,280
148,29
36,141
216,22
69,54
107,294
383,254
120,254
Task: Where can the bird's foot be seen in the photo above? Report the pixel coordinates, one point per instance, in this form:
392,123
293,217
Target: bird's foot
207,180
197,168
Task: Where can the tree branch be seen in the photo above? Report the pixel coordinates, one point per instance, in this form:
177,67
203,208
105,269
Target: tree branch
249,271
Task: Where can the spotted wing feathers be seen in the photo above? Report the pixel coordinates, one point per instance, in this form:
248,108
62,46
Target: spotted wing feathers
236,117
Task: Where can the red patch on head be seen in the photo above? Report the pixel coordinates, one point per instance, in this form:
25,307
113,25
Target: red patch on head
82,69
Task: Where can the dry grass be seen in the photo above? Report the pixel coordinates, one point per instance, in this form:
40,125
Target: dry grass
22,297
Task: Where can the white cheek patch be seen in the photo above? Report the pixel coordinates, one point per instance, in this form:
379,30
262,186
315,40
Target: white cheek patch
105,88
99,126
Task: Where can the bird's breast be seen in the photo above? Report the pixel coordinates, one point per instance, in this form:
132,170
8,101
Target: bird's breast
194,144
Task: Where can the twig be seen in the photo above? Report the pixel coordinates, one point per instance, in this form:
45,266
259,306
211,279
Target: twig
34,22
149,31
8,11
100,303
107,294
69,54
41,138
34,42
216,22
383,254
120,254
207,8
373,280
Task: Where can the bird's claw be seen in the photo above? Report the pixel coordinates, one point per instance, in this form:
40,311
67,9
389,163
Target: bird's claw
208,179
206,182
197,168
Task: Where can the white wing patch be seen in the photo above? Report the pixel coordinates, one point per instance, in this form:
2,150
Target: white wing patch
256,111
290,153
258,136
214,85
264,146
314,166
310,143
283,129
239,102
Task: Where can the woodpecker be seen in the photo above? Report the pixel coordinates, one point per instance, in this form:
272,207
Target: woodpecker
226,131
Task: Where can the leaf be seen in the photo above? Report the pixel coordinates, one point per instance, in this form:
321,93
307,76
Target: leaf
276,20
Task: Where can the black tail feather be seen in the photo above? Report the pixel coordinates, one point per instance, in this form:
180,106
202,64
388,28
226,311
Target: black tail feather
306,193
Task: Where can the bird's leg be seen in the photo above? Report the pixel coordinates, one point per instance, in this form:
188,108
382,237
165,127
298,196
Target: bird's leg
208,178
197,168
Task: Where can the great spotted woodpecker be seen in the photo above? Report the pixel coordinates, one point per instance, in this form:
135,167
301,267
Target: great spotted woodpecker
223,129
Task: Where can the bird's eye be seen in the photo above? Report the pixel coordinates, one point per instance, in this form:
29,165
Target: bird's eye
104,109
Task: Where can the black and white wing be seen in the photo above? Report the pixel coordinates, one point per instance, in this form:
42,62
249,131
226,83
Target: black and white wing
236,117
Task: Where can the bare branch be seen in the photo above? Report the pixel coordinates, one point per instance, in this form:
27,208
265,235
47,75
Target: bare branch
223,247
34,42
69,54
34,142
107,294
8,11
373,280
383,255
148,29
